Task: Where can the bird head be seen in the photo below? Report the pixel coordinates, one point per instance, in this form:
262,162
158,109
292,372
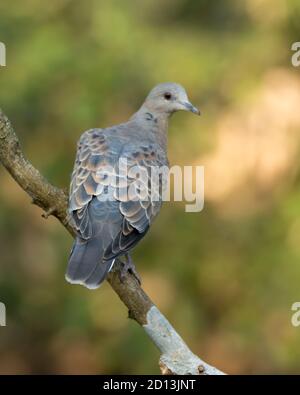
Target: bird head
168,98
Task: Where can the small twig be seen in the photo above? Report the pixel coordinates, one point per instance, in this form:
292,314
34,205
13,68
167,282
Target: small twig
49,212
176,357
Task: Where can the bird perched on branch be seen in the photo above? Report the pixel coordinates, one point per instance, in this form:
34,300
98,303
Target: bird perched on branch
111,205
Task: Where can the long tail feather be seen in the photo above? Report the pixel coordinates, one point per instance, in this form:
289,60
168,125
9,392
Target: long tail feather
86,266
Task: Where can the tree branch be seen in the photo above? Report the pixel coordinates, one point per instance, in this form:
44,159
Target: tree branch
176,357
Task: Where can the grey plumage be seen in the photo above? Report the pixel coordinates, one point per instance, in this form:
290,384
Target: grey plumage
109,223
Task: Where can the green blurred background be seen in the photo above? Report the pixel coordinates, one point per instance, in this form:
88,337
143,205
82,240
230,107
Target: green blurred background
226,277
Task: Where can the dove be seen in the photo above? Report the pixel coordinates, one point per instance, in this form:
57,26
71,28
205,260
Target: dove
108,220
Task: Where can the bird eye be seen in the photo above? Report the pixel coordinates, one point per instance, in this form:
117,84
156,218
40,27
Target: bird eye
167,96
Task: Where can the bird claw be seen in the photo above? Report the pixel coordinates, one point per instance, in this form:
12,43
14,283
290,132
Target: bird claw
129,267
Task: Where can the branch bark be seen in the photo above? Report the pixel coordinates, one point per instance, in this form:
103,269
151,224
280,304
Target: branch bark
176,357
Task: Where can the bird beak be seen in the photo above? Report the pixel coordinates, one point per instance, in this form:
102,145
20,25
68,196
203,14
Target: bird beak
189,107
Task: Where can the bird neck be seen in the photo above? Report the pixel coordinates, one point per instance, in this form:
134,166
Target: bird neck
157,122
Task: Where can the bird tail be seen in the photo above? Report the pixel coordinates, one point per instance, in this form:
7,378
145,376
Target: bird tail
86,266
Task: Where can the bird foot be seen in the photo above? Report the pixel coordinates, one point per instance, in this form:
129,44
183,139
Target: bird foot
129,267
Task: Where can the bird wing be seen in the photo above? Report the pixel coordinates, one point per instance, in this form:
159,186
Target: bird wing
97,175
92,153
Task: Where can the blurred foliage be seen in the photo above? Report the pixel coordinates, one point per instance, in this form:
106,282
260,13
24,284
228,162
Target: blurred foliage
225,277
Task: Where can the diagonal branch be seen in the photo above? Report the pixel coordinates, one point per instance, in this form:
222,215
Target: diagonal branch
176,357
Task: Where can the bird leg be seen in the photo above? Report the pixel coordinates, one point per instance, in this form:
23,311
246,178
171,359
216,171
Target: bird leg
128,266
